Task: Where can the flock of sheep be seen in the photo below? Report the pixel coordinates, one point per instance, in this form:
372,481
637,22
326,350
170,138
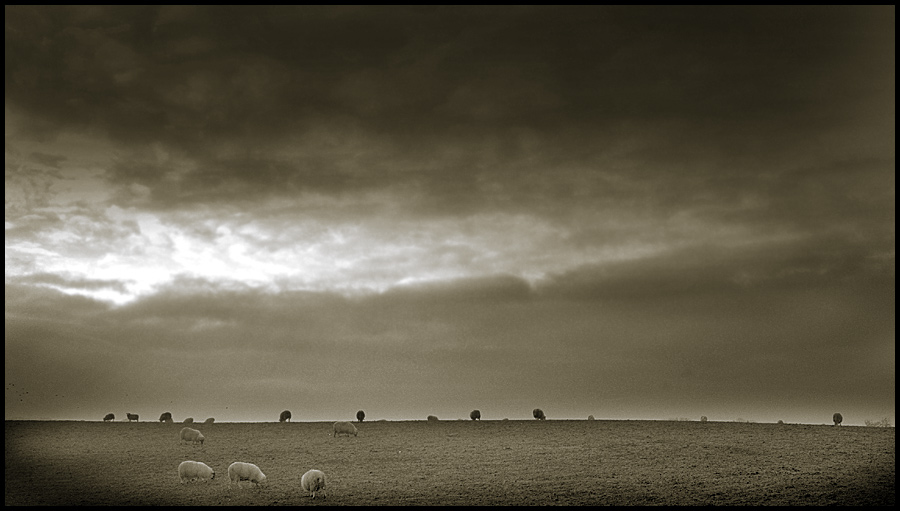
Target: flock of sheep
313,481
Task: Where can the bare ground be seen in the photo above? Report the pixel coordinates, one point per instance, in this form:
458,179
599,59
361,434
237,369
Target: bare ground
456,463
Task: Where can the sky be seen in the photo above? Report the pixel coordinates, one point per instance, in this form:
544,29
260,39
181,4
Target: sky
625,212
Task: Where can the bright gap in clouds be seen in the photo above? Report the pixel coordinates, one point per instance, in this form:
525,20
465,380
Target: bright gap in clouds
290,250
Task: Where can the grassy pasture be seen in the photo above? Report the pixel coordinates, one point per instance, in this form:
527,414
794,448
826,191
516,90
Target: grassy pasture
552,462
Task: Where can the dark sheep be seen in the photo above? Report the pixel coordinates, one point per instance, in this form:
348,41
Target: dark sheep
285,416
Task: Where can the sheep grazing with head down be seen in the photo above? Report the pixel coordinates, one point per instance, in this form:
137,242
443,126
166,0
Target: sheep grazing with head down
539,414
838,419
360,415
191,435
165,417
195,470
109,417
313,481
475,415
131,416
431,418
285,416
189,420
590,417
344,428
240,471
209,420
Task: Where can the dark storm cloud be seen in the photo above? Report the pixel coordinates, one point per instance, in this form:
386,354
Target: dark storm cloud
468,105
648,208
691,343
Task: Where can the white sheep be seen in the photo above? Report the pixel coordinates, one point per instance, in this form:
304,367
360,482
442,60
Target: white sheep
313,481
192,470
240,471
191,435
344,428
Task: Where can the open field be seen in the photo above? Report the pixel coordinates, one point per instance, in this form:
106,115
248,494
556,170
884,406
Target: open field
552,462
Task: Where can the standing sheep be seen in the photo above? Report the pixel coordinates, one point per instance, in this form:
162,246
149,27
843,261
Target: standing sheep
838,419
191,470
191,435
109,417
165,417
475,415
432,418
131,416
313,481
344,428
285,416
360,415
538,414
240,471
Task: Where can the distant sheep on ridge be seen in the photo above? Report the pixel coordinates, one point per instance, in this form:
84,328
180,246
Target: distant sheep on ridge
109,417
360,415
432,418
285,416
189,420
344,428
209,420
475,415
131,416
838,419
165,417
538,414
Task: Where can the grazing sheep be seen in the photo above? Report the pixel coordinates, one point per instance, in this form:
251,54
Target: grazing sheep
344,428
131,416
590,417
313,481
191,470
432,418
780,421
360,415
165,417
240,471
209,420
838,419
703,418
189,420
475,415
538,414
285,416
109,417
191,435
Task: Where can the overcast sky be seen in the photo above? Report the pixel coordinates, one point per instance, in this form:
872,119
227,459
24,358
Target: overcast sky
628,212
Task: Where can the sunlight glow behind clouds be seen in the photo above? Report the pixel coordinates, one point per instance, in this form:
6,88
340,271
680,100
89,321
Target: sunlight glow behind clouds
276,251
